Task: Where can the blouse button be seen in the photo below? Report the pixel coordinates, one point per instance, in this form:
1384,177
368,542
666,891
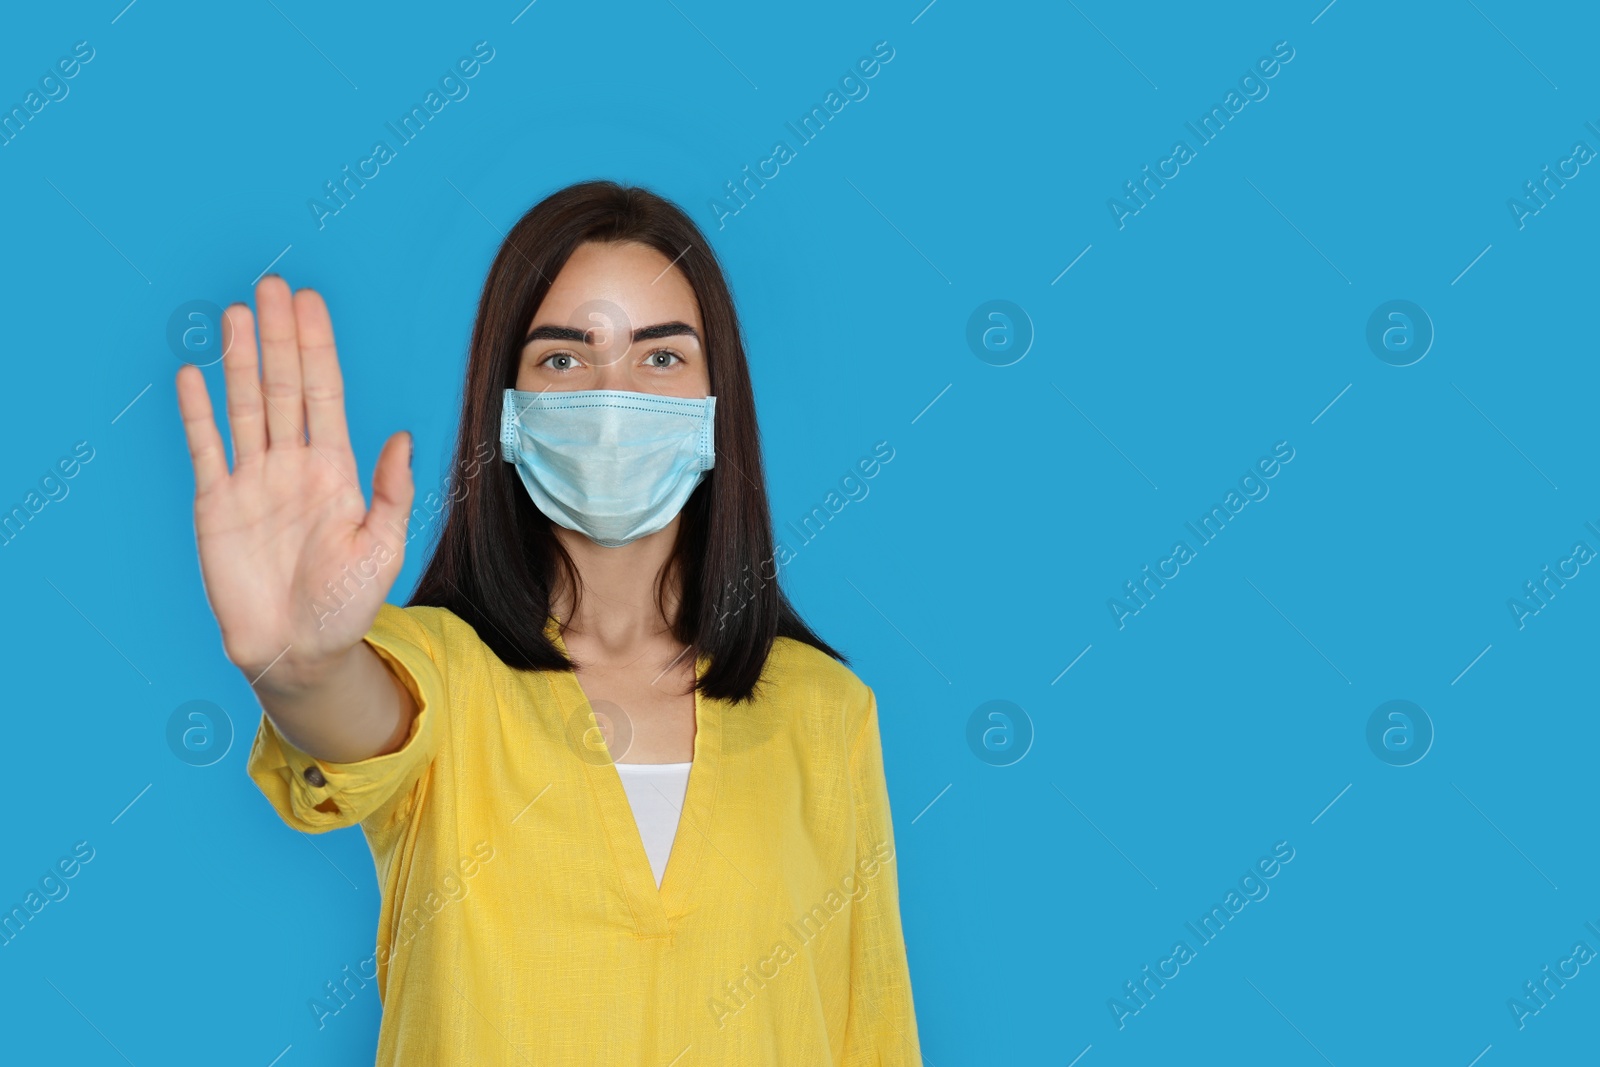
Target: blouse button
314,776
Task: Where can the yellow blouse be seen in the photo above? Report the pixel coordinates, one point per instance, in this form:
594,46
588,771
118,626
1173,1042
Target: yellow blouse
520,920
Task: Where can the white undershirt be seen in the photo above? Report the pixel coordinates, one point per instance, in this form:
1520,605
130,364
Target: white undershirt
655,792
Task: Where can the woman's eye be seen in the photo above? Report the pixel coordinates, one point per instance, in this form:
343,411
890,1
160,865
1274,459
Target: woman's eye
663,358
558,361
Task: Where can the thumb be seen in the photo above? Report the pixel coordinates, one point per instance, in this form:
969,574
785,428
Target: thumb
392,491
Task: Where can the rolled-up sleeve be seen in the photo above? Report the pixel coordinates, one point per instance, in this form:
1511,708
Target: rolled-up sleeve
316,795
882,1026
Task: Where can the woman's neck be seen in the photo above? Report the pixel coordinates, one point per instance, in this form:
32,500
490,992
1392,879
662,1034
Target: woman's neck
617,609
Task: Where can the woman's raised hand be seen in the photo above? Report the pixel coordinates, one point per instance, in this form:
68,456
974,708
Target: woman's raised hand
295,564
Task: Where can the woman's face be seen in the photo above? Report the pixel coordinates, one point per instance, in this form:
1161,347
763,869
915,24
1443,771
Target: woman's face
618,316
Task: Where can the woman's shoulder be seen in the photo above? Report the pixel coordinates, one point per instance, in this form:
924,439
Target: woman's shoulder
438,631
800,660
796,668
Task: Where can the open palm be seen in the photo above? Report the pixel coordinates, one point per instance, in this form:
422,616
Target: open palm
295,564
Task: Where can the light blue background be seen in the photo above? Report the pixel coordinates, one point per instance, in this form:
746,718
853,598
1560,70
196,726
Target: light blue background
1224,317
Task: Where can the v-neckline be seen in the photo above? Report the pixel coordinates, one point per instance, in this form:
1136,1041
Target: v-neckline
654,908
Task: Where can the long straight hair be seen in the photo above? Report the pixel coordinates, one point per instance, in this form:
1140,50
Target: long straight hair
495,564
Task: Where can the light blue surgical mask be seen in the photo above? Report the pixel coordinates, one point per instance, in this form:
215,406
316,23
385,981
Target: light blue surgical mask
612,465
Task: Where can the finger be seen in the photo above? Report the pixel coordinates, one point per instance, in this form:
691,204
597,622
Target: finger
392,491
280,364
319,370
243,381
200,429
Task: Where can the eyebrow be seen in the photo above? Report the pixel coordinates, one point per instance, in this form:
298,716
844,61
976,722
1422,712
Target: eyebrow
643,333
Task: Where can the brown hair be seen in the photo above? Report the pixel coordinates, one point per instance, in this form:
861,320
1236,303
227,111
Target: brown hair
495,562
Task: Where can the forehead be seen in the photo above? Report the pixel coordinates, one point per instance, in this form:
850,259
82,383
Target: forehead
634,277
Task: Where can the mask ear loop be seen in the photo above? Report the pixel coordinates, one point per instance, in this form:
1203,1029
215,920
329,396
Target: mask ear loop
508,427
707,447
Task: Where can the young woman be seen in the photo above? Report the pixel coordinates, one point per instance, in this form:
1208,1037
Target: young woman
625,806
